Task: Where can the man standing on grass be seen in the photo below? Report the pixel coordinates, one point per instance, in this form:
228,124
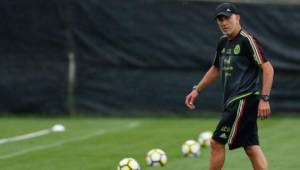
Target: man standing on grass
247,78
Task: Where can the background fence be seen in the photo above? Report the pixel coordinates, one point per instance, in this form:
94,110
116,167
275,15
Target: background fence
112,57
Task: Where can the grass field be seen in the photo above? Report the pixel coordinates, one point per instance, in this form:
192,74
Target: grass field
99,143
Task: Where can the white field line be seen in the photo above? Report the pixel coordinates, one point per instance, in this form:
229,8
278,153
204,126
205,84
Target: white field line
62,142
26,136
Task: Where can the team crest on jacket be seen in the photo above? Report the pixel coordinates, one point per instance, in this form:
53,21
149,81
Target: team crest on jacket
237,49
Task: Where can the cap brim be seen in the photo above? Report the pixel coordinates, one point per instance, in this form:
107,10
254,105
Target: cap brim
223,14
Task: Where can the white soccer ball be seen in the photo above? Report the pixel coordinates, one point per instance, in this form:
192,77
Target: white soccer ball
191,148
156,157
204,138
128,164
58,128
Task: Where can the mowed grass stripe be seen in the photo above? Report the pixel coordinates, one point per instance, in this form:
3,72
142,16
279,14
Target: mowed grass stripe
281,142
66,141
55,144
278,137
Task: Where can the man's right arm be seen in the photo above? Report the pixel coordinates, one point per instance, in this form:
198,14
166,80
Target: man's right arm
208,78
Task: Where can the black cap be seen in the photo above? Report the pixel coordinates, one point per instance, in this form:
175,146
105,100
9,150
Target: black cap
226,9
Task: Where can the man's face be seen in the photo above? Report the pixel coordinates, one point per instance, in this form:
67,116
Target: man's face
228,24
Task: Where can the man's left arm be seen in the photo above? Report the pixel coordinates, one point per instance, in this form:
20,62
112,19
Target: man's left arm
264,109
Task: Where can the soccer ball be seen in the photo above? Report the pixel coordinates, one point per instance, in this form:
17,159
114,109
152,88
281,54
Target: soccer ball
191,148
204,138
156,157
128,164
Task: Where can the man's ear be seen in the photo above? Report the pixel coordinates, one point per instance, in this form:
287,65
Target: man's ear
238,17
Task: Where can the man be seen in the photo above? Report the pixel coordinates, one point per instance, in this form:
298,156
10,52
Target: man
247,78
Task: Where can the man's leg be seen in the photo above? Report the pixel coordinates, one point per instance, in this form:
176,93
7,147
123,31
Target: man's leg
217,156
257,157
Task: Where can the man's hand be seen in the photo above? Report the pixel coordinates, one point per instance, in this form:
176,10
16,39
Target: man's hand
190,98
264,109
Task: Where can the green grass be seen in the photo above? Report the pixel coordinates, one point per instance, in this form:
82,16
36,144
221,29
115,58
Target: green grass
99,143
